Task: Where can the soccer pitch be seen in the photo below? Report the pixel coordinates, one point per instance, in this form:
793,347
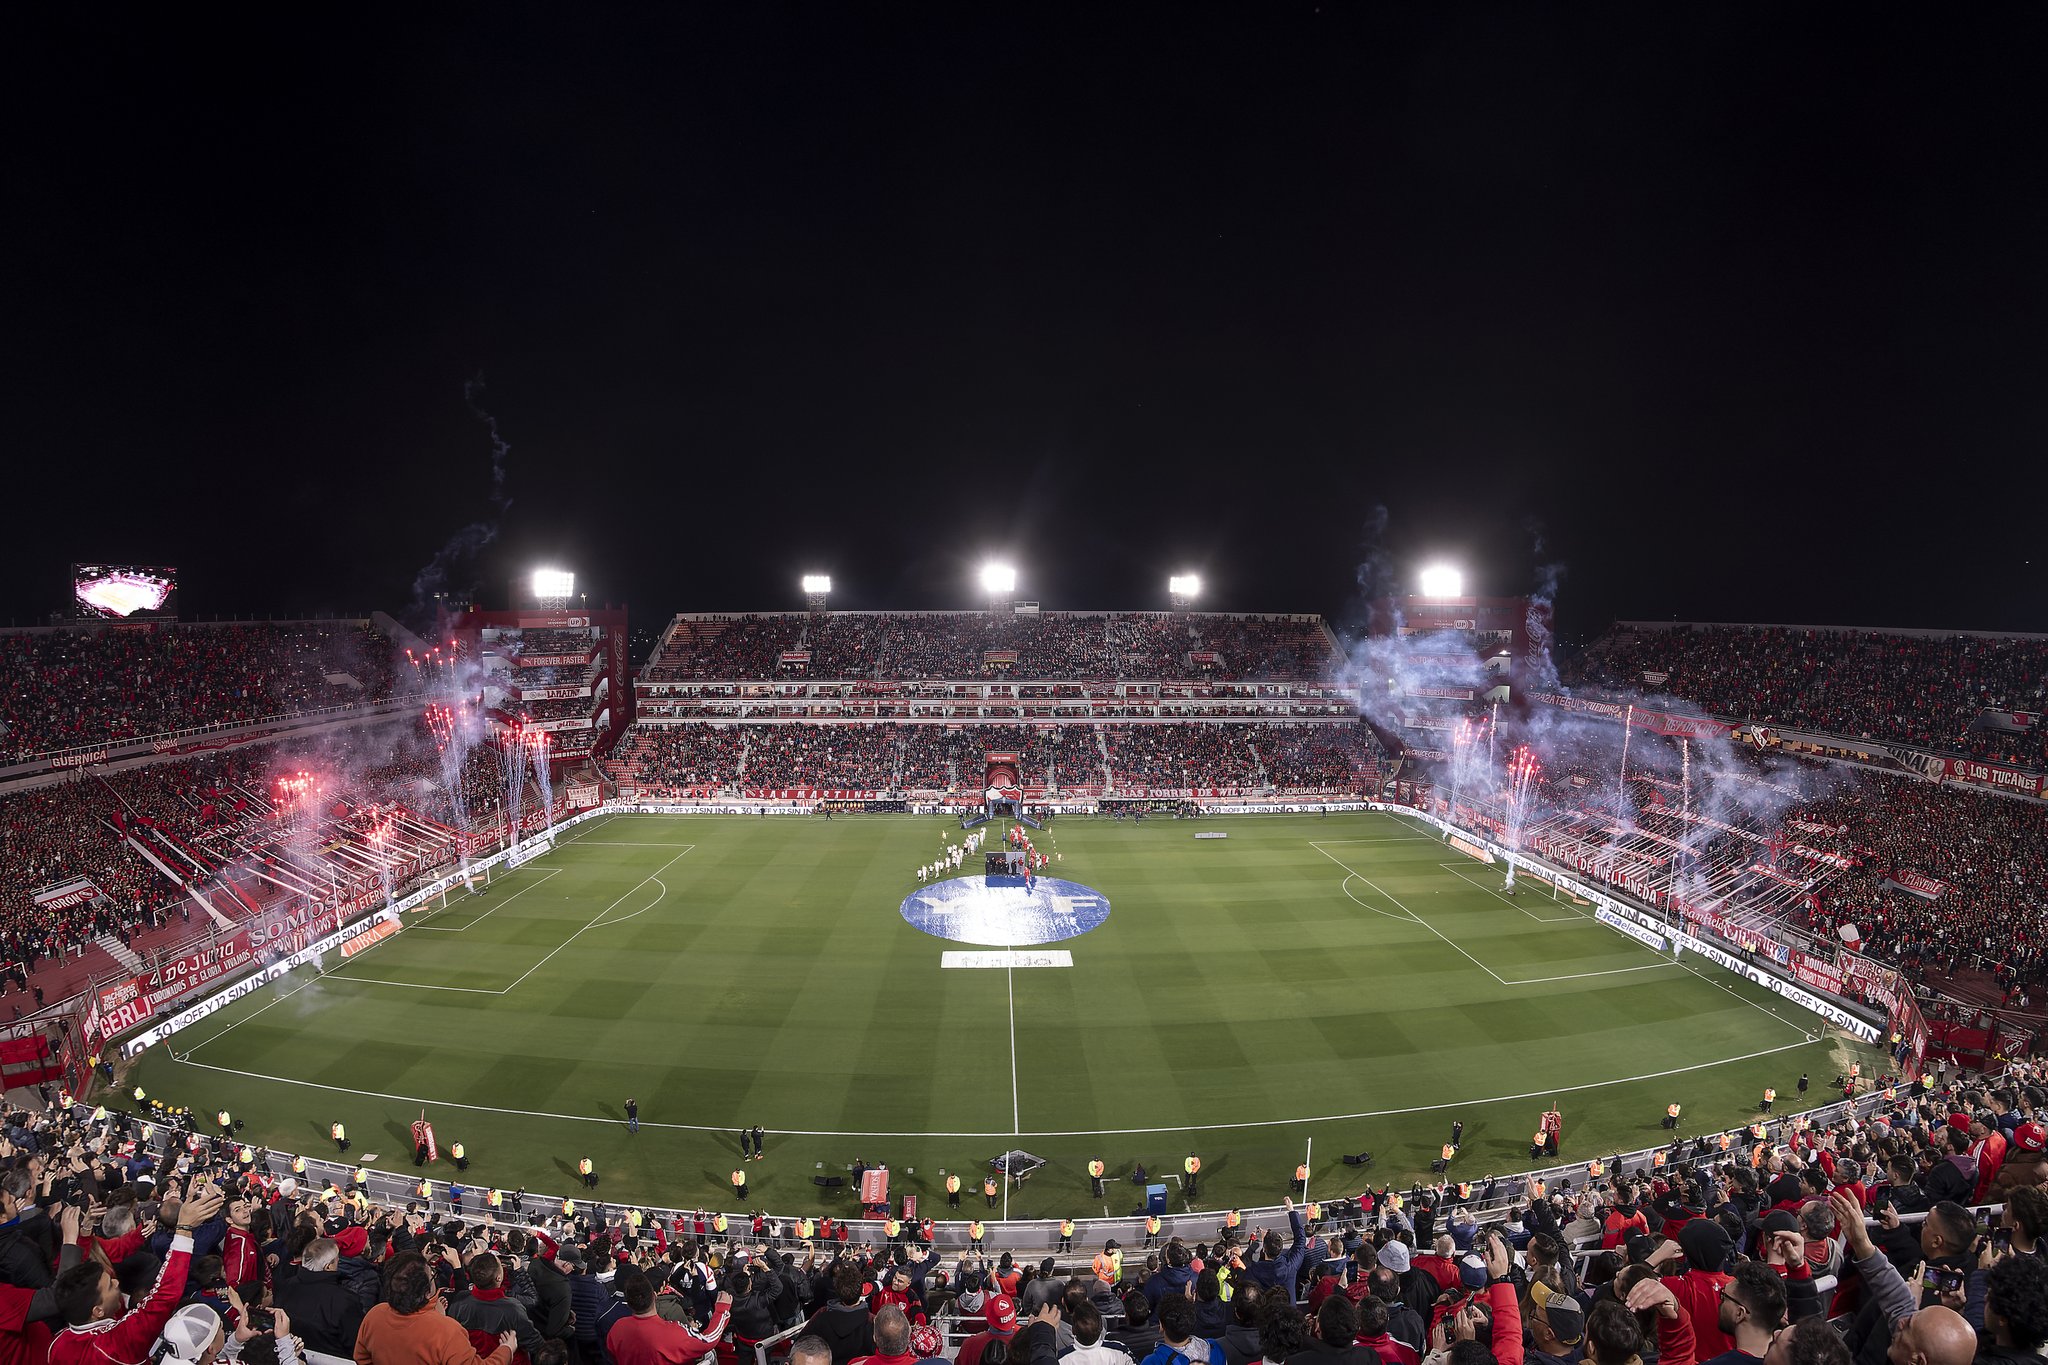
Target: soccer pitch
1350,979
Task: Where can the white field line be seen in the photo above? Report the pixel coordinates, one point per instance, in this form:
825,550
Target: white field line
1065,1133
1459,872
592,923
423,924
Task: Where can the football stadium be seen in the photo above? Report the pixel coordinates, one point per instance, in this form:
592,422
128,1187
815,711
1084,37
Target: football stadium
937,685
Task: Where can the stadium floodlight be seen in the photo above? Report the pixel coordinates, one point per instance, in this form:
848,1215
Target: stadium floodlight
817,582
1183,588
1441,580
998,580
553,588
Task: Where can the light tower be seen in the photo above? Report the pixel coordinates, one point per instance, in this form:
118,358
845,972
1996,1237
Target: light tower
552,588
1182,589
1441,580
999,581
817,587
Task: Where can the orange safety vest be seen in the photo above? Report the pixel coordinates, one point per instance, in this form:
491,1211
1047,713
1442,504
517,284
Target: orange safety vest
739,1178
1152,1224
952,1184
974,1229
1191,1165
1657,1159
584,1167
1234,1219
1449,1151
1464,1189
804,1228
1315,1211
1727,1141
1756,1130
988,1185
1671,1111
1301,1174
893,1228
1595,1169
1855,1068
337,1131
1095,1169
1541,1134
1541,1187
496,1199
719,1223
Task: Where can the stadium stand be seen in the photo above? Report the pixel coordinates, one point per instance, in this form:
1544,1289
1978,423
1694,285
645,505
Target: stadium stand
65,687
1920,689
962,645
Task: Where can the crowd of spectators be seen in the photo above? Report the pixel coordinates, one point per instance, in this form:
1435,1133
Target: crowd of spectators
1988,854
131,1242
1927,691
954,758
61,688
552,643
1173,756
53,835
909,646
1303,757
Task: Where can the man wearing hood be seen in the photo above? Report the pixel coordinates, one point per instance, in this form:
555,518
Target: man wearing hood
355,1269
1704,1245
1954,1177
1174,1277
2015,1307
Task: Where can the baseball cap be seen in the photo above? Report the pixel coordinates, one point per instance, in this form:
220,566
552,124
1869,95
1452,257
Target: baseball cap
2030,1137
1780,1220
1472,1270
1394,1256
190,1330
1567,1320
925,1342
1001,1313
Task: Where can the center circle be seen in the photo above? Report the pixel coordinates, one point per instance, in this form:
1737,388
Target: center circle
1004,913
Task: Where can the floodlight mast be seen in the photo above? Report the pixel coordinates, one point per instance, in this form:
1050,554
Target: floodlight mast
1182,589
817,587
552,588
1441,580
999,581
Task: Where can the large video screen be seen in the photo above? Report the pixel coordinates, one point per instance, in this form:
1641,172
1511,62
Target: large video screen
119,592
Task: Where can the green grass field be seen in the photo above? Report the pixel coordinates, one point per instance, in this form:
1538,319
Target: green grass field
1348,979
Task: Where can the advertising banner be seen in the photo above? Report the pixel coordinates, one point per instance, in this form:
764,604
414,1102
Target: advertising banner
78,891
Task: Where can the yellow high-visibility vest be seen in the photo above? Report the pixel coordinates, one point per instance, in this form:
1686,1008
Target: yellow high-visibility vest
952,1184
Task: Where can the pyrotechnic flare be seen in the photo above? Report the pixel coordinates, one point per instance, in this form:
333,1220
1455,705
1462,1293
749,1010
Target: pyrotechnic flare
1522,771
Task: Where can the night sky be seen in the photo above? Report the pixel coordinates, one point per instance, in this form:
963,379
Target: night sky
1735,312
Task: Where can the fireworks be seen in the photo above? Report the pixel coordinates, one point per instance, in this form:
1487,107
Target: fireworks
1522,772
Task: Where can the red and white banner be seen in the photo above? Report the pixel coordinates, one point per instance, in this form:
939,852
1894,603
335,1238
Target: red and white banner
1969,770
1677,726
128,1002
1918,884
566,723
1879,982
551,693
552,620
79,760
1817,973
1811,827
1446,693
1822,856
2012,722
76,892
552,660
